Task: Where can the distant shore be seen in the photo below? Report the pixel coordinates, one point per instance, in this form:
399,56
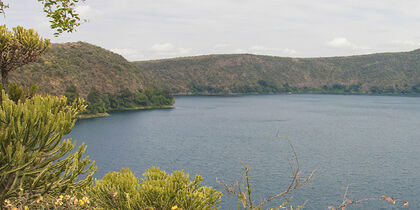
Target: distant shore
105,114
299,93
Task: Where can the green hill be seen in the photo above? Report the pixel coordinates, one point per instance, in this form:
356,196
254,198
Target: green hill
83,65
245,73
87,66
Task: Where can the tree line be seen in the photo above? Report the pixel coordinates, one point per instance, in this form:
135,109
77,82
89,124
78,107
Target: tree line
99,102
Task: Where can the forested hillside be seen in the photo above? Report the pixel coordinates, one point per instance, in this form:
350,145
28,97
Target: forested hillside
214,74
87,66
81,64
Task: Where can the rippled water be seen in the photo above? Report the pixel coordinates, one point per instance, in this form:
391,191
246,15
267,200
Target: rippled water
370,142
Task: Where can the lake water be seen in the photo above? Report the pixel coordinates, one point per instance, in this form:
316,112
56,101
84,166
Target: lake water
370,142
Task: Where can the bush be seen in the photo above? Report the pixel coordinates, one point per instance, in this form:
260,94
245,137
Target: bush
34,160
157,190
116,190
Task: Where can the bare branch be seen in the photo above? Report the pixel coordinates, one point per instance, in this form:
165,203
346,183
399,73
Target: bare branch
347,202
295,182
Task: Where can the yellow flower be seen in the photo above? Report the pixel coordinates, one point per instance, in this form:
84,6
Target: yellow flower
74,200
82,202
58,202
115,194
174,207
86,200
26,208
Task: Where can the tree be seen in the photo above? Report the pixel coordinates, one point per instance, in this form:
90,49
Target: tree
71,94
19,47
34,160
95,103
62,14
2,7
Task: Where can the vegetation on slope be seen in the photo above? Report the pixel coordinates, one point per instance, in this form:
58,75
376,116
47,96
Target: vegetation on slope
80,64
87,66
126,100
390,73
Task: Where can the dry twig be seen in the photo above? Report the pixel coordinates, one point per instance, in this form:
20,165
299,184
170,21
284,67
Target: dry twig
346,202
296,182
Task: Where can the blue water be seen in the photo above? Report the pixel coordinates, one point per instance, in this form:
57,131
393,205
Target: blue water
370,142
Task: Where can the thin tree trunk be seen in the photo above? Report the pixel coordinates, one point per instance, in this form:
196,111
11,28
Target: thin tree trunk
5,84
5,80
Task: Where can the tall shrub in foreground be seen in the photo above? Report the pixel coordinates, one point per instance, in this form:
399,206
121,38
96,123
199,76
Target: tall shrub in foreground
157,190
34,158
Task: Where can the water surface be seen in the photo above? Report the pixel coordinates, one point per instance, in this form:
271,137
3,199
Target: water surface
370,142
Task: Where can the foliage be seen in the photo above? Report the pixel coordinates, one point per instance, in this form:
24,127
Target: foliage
62,202
384,73
19,47
71,94
116,190
163,191
82,65
157,190
125,99
62,14
3,6
34,159
18,93
87,66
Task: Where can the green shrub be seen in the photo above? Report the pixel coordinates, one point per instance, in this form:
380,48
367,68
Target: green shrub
116,190
162,191
157,191
34,158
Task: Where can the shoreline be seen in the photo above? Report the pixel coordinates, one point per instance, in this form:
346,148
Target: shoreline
105,114
301,93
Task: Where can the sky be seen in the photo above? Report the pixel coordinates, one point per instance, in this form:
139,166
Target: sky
155,29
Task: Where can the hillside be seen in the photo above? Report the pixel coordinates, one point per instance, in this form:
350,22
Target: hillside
87,66
80,64
213,74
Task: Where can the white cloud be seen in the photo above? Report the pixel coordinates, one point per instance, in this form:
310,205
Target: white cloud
161,48
342,42
290,51
129,53
184,51
263,50
239,51
406,43
260,49
220,46
169,49
86,12
225,26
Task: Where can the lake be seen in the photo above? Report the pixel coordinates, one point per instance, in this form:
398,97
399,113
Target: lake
370,142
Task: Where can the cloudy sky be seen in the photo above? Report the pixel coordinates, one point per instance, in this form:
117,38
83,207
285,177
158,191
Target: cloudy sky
153,29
